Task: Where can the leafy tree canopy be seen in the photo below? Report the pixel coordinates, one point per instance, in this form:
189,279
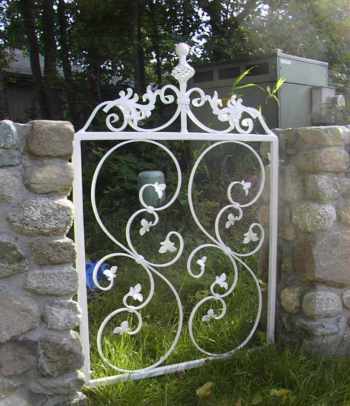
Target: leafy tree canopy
99,46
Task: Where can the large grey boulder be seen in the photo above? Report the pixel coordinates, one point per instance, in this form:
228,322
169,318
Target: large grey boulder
324,257
322,136
62,315
9,144
12,259
9,157
47,251
324,345
311,217
321,304
51,138
292,187
16,399
42,216
18,314
322,188
8,135
62,385
16,358
330,159
49,176
344,186
56,282
11,185
291,299
59,353
7,386
322,327
344,214
346,298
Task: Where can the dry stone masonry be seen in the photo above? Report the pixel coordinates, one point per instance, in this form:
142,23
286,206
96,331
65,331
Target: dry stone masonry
314,239
40,353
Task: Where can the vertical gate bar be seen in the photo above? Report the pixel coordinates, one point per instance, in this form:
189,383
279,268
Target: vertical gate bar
80,260
273,236
183,108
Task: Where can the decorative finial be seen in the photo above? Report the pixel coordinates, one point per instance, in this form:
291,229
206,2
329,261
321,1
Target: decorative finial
183,71
182,50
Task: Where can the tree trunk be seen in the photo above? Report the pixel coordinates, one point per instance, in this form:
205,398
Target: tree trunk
27,8
67,68
50,59
4,113
158,65
140,77
94,77
156,43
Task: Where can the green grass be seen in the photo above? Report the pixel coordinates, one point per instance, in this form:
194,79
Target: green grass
263,377
266,376
160,320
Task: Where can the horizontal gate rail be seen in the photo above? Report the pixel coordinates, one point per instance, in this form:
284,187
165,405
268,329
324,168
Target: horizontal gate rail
131,113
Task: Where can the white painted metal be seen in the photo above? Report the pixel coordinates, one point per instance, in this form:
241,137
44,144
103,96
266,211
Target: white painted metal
240,125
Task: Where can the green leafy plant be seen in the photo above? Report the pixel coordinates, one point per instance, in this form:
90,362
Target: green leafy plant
238,80
271,93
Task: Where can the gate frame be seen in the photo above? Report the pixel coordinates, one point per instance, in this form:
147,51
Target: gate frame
133,113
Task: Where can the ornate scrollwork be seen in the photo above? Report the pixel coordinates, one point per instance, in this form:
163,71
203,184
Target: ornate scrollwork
135,298
220,287
131,112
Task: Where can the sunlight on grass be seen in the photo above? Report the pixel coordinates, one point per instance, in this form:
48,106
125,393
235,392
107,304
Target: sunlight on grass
265,376
160,320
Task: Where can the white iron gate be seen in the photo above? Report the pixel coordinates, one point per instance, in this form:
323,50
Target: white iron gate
127,113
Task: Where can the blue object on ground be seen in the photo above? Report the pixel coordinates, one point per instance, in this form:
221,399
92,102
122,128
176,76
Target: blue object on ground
89,270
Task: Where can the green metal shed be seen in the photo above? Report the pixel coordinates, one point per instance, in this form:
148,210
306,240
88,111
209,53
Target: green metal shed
295,97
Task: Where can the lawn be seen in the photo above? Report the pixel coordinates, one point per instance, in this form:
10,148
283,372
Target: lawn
259,375
268,376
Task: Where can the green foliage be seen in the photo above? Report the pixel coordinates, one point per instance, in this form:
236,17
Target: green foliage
112,45
271,93
315,29
237,85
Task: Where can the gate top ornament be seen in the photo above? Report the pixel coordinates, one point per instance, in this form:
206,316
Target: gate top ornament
239,118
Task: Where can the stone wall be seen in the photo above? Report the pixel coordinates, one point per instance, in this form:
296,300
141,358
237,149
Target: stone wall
314,239
40,355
